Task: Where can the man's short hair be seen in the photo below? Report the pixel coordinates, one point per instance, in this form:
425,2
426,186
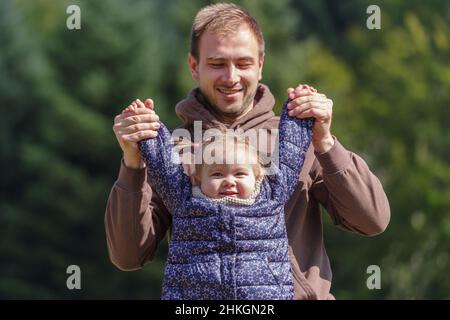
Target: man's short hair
223,19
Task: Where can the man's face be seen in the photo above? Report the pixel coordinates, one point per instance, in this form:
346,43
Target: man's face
228,71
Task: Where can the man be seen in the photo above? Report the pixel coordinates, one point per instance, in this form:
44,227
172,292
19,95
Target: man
226,59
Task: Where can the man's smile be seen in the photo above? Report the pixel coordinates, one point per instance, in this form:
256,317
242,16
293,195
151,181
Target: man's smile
230,92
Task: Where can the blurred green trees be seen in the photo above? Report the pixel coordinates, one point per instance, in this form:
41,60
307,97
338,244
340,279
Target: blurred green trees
60,90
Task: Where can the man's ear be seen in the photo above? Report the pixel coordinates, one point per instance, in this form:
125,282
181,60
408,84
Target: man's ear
261,64
193,66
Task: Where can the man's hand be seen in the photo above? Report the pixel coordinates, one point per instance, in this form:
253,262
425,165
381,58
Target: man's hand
308,103
136,122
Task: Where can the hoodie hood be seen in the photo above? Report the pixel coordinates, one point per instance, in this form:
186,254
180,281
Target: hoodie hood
194,108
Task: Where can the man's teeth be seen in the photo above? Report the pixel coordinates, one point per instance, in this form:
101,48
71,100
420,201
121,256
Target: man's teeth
229,91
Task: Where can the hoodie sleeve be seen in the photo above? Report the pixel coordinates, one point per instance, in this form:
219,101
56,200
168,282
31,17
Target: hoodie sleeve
351,193
294,140
136,220
164,168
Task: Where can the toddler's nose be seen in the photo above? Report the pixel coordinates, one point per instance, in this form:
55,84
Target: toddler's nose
229,182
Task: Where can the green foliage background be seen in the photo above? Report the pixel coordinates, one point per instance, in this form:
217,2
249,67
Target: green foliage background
60,90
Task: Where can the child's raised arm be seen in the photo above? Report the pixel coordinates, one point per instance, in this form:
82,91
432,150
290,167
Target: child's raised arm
164,169
294,139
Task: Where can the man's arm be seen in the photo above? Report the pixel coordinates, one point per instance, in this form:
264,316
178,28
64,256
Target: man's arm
136,220
344,185
349,191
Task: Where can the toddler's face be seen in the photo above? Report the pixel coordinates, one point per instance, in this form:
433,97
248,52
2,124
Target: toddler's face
221,180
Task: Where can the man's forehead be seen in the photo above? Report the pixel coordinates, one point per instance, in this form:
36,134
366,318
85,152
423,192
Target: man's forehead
220,44
224,57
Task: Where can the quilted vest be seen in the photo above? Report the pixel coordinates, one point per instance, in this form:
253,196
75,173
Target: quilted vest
222,251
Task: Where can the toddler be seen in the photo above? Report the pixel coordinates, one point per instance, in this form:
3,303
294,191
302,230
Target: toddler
228,238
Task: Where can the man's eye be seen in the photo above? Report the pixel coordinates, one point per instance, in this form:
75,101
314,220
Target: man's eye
244,66
216,65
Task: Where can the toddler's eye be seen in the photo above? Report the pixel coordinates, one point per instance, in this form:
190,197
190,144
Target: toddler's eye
241,174
216,174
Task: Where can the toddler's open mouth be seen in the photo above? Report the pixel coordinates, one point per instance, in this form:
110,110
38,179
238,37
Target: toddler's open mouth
229,194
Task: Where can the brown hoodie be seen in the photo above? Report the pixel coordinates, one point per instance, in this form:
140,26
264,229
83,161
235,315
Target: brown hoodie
339,180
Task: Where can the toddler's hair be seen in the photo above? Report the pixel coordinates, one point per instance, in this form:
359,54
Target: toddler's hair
220,139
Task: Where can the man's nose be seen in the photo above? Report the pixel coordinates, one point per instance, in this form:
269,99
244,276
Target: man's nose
231,75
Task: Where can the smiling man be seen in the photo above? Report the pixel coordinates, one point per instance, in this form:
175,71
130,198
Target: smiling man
226,59
227,66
